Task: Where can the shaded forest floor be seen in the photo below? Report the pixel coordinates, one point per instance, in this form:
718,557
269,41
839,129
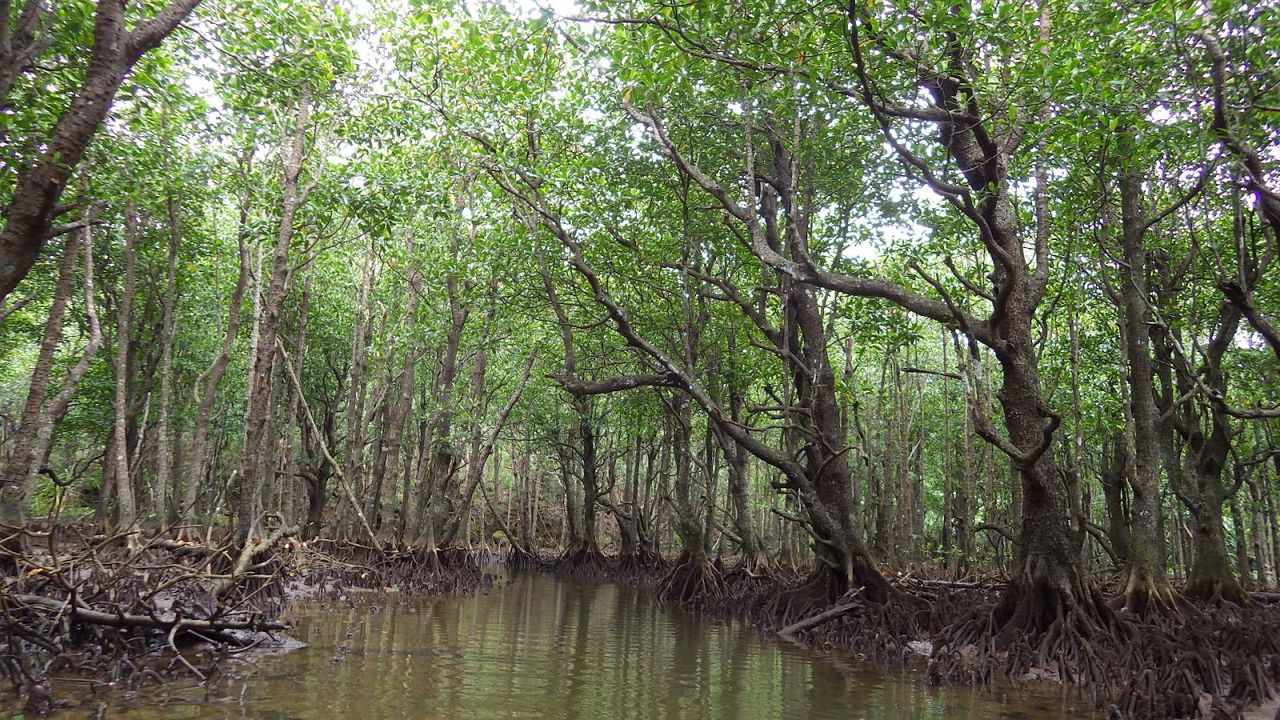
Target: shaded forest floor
95,611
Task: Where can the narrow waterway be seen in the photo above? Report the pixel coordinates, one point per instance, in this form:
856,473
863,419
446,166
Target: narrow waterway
542,647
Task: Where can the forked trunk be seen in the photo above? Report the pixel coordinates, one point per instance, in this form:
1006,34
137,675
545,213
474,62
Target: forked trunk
1210,578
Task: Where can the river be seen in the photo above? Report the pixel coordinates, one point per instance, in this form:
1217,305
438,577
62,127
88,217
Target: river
543,647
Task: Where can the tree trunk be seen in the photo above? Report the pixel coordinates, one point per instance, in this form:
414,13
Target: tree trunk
357,390
206,386
583,546
844,560
1049,581
737,461
56,411
1147,584
318,473
1197,479
571,534
403,402
482,446
627,513
297,430
586,437
127,514
164,439
1258,531
448,531
257,435
441,465
20,464
1049,584
1210,578
688,512
1112,480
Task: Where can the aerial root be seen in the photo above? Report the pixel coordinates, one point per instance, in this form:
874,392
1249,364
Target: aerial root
1214,593
692,582
436,571
810,597
583,561
1149,601
521,558
1174,661
637,561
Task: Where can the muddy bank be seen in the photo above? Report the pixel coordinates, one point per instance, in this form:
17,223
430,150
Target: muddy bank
547,646
1219,662
118,612
92,610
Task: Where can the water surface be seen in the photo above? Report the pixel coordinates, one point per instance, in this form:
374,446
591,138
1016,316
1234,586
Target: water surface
543,647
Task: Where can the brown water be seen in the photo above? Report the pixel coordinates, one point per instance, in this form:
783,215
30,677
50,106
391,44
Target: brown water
543,647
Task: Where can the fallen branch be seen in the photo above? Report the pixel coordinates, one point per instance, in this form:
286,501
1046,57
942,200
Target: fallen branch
182,548
251,550
958,584
820,618
170,622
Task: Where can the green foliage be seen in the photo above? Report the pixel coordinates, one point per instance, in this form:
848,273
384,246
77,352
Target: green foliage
423,110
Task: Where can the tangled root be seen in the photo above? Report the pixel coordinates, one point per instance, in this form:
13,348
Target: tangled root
1169,660
759,565
1214,592
1147,600
812,595
521,558
444,571
1042,630
582,561
633,566
692,582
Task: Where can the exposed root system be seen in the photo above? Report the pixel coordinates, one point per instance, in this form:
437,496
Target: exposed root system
1176,660
582,561
522,559
117,609
637,562
692,582
1173,660
91,607
1213,592
326,566
1147,600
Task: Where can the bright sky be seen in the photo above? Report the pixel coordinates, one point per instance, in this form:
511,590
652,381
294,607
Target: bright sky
559,7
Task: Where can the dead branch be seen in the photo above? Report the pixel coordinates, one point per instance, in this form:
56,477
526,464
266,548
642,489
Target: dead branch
820,618
161,621
250,551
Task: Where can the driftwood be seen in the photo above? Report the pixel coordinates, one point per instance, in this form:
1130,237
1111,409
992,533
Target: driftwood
168,621
822,617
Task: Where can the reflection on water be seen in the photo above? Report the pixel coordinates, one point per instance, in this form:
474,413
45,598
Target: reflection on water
548,648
